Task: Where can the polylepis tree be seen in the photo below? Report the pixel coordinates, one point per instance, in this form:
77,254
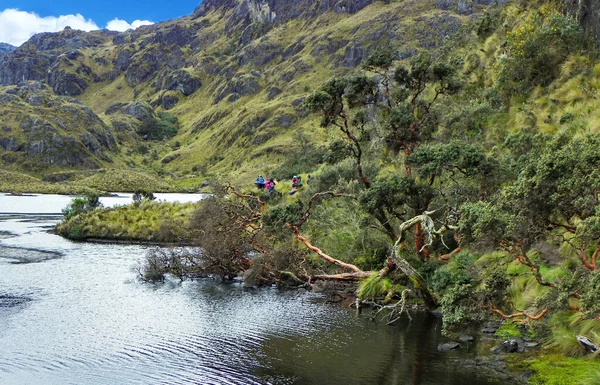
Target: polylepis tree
394,107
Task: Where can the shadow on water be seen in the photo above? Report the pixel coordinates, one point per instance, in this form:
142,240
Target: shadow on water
19,255
363,352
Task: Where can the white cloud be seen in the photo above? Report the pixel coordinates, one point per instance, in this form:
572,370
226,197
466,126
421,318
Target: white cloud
16,26
121,25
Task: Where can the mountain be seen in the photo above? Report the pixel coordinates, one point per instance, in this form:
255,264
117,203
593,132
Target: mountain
6,48
231,78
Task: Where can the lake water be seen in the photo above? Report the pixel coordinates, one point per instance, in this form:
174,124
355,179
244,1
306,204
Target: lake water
74,313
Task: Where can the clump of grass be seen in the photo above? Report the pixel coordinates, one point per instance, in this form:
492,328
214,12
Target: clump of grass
145,221
559,370
376,287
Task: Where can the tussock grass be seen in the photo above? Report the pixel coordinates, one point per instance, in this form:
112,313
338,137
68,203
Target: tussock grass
145,221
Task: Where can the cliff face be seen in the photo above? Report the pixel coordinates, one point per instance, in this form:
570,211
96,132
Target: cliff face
234,72
588,13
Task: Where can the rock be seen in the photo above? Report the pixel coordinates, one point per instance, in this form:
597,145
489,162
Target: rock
298,102
445,347
139,110
587,344
243,85
444,4
489,330
179,80
35,100
286,120
174,35
9,144
531,345
7,98
466,338
114,108
66,83
354,55
273,92
464,8
509,346
233,97
259,55
526,376
123,60
144,65
35,147
169,101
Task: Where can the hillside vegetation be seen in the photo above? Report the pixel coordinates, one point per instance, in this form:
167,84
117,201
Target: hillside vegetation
227,81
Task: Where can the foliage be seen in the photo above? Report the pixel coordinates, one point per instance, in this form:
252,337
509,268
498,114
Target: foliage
82,205
456,272
158,129
144,221
535,51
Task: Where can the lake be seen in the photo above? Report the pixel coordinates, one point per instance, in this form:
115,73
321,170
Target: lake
74,313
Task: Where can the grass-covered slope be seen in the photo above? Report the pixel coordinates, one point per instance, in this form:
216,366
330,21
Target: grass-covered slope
233,77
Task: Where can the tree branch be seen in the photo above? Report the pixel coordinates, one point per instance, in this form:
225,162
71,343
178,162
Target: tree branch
321,254
520,314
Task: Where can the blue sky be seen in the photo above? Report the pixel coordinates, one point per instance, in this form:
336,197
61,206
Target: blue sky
36,16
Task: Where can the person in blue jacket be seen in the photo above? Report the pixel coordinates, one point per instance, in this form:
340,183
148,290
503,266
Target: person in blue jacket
260,182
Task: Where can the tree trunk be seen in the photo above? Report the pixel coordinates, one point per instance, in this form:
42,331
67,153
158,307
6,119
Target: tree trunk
422,249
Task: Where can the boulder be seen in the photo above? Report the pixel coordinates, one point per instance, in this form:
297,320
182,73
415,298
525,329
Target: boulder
178,80
466,338
446,347
9,144
139,110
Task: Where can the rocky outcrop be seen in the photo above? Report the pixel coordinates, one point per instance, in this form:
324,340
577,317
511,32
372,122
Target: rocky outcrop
69,75
588,14
274,12
32,60
137,110
464,7
179,80
50,130
240,85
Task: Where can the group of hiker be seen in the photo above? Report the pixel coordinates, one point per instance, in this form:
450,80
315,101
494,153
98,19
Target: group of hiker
269,184
262,183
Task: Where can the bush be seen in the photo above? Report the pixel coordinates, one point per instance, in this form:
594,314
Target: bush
155,129
535,52
82,205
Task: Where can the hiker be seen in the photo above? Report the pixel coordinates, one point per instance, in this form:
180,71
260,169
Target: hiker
260,182
294,190
309,179
271,186
297,181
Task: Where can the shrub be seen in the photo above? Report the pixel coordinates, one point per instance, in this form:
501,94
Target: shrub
82,205
535,52
155,129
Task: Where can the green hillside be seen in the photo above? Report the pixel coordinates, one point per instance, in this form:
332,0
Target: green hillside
232,77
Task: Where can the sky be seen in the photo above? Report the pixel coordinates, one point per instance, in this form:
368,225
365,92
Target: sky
21,19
